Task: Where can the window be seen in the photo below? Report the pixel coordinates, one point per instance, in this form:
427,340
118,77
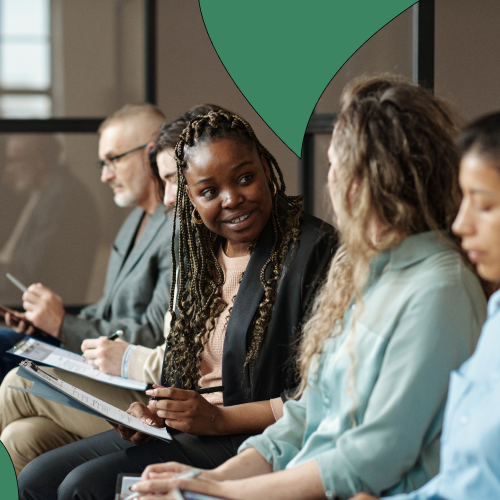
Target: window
25,59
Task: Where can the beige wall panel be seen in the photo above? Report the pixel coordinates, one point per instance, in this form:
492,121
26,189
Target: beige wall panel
468,55
389,50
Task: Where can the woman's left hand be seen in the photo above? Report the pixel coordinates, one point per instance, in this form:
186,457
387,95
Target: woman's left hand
187,411
363,496
159,480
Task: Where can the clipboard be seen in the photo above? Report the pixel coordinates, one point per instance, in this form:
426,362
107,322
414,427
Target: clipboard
49,387
40,352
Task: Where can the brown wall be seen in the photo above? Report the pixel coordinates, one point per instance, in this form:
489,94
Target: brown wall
467,69
468,54
98,66
190,73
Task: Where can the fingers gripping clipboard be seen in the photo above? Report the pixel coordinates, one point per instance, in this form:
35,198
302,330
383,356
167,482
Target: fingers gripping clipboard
54,389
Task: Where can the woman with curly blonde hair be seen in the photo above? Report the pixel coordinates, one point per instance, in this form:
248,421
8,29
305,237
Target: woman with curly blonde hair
399,311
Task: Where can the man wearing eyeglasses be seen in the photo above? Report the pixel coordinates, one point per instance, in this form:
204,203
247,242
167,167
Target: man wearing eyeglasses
135,300
139,272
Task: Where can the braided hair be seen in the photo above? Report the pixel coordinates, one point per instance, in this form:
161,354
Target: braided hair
200,276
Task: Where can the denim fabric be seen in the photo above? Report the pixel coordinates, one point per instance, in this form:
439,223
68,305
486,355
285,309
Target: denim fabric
8,338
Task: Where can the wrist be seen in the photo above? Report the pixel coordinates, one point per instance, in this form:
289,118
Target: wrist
221,424
214,474
229,488
221,473
56,331
126,360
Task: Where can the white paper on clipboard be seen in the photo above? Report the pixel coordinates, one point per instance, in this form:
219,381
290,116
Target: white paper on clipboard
42,352
54,389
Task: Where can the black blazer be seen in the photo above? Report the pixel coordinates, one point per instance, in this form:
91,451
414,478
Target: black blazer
274,371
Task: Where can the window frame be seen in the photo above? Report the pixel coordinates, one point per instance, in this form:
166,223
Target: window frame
423,73
90,125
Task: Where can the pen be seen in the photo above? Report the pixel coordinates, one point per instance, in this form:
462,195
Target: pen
206,390
16,282
115,335
187,474
210,390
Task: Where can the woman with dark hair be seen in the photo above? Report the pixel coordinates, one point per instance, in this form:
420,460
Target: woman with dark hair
399,311
162,156
249,261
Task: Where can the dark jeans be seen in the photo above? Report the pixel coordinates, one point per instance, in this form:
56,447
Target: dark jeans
87,469
8,338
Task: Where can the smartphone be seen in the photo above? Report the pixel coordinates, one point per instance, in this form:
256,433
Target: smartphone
124,482
191,495
17,319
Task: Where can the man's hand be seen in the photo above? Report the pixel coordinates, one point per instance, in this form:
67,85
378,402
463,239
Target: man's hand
186,411
146,415
15,321
44,309
105,354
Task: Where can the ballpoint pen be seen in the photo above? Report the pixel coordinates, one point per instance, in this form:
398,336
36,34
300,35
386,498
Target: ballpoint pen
187,474
206,390
115,335
16,282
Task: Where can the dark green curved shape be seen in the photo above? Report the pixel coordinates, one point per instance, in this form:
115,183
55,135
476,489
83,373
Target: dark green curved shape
283,53
8,481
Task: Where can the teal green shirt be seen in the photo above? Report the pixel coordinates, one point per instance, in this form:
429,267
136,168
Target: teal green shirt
423,311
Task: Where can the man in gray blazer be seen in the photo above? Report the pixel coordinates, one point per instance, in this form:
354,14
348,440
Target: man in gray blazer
139,272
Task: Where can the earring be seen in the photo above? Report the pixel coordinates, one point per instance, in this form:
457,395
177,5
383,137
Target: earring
196,220
273,189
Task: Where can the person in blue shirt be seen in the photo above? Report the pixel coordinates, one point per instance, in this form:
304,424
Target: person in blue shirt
400,310
470,460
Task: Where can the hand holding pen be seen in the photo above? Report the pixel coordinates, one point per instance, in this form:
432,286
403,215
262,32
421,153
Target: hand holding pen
206,390
105,353
39,302
186,410
186,474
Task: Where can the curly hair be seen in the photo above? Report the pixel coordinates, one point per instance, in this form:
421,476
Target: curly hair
200,276
393,143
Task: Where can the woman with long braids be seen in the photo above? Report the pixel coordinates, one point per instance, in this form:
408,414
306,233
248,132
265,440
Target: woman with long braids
248,264
400,309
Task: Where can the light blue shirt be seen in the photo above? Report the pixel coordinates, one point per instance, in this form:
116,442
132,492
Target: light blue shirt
423,311
470,445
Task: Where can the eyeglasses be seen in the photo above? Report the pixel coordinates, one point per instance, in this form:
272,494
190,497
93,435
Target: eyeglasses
108,162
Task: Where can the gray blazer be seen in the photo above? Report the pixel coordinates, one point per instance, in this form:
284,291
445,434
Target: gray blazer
137,287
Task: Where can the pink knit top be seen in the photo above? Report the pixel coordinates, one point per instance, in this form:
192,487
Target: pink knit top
211,360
